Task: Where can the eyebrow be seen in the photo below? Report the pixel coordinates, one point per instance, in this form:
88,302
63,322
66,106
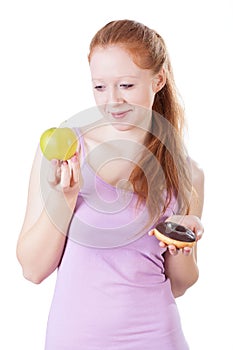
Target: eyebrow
120,77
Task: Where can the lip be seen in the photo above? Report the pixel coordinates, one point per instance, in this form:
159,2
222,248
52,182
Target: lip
119,114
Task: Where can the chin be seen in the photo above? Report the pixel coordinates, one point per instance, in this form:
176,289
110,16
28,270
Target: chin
122,126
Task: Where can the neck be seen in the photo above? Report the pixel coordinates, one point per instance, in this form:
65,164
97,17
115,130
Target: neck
126,132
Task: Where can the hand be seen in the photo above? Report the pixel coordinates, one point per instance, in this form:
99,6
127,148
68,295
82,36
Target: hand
65,175
190,221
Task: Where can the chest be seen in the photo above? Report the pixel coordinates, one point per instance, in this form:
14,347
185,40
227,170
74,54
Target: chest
112,161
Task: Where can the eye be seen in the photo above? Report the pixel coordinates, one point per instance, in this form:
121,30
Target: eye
99,87
126,86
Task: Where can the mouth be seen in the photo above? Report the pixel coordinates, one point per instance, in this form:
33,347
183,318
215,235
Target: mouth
120,114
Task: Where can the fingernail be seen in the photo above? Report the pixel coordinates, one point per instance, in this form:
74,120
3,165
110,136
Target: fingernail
54,162
74,159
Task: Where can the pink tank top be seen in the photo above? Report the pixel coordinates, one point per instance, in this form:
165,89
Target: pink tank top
111,292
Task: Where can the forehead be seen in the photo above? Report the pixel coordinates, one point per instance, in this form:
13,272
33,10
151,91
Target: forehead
114,60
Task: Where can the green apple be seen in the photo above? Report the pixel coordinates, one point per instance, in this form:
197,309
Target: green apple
58,143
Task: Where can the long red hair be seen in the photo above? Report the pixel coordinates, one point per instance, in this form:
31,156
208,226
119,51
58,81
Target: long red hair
163,173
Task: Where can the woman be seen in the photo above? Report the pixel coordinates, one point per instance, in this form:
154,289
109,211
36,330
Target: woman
116,283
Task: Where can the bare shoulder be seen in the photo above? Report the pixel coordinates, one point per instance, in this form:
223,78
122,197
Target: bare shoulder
197,198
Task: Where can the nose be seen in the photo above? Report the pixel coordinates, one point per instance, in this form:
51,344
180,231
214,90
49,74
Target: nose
114,95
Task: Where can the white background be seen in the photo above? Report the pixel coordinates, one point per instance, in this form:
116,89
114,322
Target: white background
44,79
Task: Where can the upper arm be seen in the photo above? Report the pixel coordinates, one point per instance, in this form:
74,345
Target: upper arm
34,205
197,196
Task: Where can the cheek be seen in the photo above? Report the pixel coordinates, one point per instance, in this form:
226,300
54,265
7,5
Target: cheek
144,99
99,98
150,98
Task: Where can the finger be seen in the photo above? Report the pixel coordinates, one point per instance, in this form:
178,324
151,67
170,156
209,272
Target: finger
53,174
187,251
162,244
172,249
199,234
75,168
151,233
65,175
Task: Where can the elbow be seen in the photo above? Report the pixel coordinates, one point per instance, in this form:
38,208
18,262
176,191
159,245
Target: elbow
178,293
32,277
34,273
29,273
179,289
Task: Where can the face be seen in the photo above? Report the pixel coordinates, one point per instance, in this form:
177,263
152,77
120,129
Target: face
123,91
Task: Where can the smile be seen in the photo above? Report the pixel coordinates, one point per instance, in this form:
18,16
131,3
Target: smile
120,114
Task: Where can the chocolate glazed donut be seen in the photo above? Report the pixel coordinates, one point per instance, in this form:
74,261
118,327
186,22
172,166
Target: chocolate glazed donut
175,234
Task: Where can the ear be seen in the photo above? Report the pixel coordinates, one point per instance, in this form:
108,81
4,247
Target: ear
159,80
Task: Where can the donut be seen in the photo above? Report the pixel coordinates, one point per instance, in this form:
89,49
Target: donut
171,233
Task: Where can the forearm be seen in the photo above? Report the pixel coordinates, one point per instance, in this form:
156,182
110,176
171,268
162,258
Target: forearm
40,248
182,271
181,268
